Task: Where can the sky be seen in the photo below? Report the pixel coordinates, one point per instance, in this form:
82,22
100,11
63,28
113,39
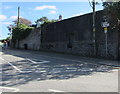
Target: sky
35,10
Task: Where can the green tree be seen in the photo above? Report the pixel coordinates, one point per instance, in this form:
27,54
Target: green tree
113,10
20,32
45,20
42,20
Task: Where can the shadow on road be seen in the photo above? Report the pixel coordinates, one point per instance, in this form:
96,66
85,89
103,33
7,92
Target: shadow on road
45,71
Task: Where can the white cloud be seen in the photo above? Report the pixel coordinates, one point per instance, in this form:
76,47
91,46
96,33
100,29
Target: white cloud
2,17
52,12
7,7
14,17
45,7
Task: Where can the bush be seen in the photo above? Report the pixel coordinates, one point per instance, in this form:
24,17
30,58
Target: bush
21,31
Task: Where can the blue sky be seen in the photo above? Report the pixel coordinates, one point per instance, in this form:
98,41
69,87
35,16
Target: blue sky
34,10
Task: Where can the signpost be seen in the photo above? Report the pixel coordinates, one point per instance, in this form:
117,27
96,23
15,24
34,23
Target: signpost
105,25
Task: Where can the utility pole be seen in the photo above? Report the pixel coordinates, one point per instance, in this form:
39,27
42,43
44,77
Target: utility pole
94,30
18,16
18,24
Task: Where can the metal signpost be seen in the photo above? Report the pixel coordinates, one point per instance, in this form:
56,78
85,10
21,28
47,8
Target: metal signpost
105,31
105,25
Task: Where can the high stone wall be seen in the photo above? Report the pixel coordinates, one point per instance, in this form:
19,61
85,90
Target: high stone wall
33,40
75,35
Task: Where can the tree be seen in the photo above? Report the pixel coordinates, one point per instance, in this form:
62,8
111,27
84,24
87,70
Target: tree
22,21
42,20
113,10
45,20
20,32
6,39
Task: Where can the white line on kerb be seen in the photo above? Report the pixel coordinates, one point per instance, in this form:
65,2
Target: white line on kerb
42,61
11,65
31,60
9,88
14,67
52,90
2,58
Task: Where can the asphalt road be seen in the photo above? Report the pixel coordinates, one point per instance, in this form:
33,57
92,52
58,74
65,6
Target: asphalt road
35,71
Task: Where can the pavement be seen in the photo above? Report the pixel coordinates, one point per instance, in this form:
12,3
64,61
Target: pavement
36,71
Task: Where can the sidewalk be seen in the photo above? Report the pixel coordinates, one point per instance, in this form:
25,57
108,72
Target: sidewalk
114,63
110,62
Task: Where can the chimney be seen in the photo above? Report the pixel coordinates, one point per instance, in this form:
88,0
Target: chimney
60,17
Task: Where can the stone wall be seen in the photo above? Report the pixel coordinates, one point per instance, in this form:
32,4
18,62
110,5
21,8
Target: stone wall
33,40
75,35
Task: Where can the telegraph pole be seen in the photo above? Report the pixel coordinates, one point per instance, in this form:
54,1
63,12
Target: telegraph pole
18,16
94,30
18,20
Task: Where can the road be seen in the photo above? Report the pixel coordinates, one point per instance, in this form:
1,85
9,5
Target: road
35,71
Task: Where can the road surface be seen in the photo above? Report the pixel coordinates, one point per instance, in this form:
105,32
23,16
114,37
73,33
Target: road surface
35,71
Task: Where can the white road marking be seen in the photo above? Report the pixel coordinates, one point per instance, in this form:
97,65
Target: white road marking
9,88
85,62
76,61
14,67
31,60
52,90
56,57
42,61
2,58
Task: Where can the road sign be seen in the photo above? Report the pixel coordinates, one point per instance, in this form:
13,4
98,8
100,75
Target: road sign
105,30
105,24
